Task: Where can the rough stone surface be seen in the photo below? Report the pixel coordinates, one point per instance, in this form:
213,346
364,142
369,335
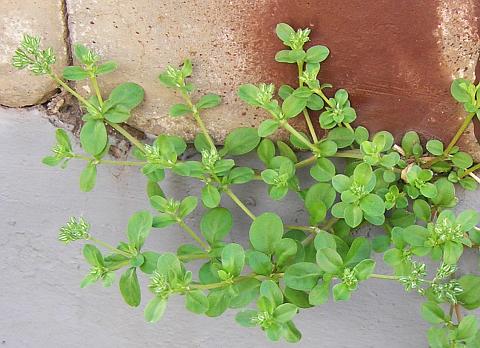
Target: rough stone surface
34,17
42,303
396,58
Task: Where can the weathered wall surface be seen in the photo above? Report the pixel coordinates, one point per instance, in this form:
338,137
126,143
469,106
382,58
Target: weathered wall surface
397,58
34,17
43,306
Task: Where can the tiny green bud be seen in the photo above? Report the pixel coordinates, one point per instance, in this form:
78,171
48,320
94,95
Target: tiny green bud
74,230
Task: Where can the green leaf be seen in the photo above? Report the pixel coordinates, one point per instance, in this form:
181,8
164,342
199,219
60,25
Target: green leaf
452,252
75,73
216,224
81,53
415,235
293,105
432,313
62,139
409,141
445,196
302,276
154,189
265,231
435,147
286,151
266,151
117,114
179,110
343,137
361,134
341,182
467,328
458,89
233,258
372,205
317,54
248,93
240,175
324,240
88,177
363,269
318,199
150,262
470,297
201,143
329,260
319,294
93,255
284,32
285,312
267,127
259,262
241,141
462,160
247,318
93,137
353,215
217,303
155,309
323,170
422,210
187,205
468,219
106,68
362,173
139,226
196,301
285,249
438,338
210,196
341,292
130,288
359,251
209,101
127,94
271,291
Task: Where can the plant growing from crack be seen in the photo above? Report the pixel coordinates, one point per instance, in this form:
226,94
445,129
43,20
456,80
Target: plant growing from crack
405,188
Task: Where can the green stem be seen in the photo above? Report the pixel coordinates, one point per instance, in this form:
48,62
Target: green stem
198,119
349,154
470,170
324,97
384,276
295,133
238,279
310,229
109,247
459,133
306,162
308,120
347,125
127,135
94,83
192,234
237,200
115,163
71,91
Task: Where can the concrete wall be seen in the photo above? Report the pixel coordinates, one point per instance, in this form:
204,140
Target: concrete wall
40,299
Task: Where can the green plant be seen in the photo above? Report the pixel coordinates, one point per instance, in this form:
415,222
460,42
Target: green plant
403,188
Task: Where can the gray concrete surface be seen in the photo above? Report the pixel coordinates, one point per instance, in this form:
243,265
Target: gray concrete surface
41,304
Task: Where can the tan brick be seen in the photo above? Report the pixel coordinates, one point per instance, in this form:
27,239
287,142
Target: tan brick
39,18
